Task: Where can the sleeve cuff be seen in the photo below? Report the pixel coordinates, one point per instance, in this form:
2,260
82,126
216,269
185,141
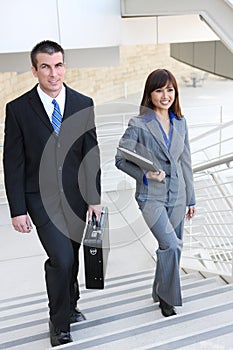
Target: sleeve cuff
145,181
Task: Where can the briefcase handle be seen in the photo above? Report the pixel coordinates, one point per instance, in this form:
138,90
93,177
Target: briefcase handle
96,223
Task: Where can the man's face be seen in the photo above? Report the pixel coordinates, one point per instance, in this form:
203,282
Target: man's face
50,72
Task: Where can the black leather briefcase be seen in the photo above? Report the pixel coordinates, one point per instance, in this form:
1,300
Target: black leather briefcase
96,250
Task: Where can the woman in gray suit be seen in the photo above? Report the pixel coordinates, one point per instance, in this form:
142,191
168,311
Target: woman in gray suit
160,134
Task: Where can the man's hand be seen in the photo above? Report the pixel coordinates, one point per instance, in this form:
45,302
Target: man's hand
94,209
22,223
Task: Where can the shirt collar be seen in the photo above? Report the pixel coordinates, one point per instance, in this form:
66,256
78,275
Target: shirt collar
47,100
150,115
172,115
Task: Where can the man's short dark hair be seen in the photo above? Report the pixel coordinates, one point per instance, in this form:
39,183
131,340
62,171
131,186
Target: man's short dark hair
45,46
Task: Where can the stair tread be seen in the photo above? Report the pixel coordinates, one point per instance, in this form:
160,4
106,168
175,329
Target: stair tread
122,311
123,314
137,292
168,344
153,335
86,329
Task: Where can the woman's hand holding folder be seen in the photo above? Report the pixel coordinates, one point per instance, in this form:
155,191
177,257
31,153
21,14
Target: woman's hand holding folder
156,175
152,170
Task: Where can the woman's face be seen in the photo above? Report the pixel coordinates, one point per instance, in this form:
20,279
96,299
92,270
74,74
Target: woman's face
164,97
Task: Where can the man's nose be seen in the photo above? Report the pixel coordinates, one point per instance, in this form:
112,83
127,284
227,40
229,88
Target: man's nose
52,71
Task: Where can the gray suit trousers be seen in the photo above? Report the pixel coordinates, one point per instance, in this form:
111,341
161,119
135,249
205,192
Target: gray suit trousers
166,224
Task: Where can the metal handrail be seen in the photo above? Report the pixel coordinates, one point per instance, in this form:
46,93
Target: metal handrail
204,233
211,131
208,237
213,163
211,146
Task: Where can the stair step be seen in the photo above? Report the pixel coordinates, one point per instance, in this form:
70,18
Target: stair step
118,293
121,314
99,325
149,333
211,340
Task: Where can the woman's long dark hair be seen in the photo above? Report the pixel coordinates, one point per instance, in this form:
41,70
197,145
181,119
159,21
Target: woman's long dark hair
157,80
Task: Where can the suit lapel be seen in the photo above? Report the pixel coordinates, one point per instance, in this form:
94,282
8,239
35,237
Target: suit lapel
156,132
70,104
177,141
38,108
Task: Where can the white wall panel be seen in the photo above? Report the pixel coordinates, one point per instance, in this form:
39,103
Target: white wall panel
73,23
89,23
139,30
165,29
184,28
217,13
25,22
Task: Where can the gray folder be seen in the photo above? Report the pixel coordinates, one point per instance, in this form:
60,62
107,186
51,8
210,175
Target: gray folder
137,159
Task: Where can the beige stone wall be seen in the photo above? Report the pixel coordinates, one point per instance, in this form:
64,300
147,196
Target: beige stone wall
103,83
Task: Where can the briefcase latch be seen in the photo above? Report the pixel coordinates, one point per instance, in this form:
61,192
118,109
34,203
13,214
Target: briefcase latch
93,251
95,233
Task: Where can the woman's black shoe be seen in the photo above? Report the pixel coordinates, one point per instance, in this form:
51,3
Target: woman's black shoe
166,309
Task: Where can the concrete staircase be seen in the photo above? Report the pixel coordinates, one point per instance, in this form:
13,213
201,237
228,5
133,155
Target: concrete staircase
123,316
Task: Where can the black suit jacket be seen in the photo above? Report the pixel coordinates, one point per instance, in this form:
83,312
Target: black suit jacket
43,171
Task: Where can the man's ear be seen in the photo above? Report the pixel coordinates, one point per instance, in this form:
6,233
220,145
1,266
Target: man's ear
34,71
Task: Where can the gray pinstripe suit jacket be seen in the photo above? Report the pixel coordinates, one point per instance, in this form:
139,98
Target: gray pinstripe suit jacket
145,137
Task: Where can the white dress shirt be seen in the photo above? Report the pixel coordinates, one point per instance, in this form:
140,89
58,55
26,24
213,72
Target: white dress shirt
47,101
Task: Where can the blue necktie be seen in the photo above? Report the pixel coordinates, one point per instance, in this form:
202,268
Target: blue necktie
56,117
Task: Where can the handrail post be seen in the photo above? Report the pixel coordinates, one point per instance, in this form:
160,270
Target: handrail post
232,267
220,132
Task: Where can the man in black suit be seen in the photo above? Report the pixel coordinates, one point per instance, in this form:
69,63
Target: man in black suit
52,175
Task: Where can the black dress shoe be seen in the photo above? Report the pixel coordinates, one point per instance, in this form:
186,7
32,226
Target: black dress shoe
76,316
58,337
166,309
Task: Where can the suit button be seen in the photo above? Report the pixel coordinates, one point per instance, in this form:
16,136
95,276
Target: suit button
58,145
168,161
